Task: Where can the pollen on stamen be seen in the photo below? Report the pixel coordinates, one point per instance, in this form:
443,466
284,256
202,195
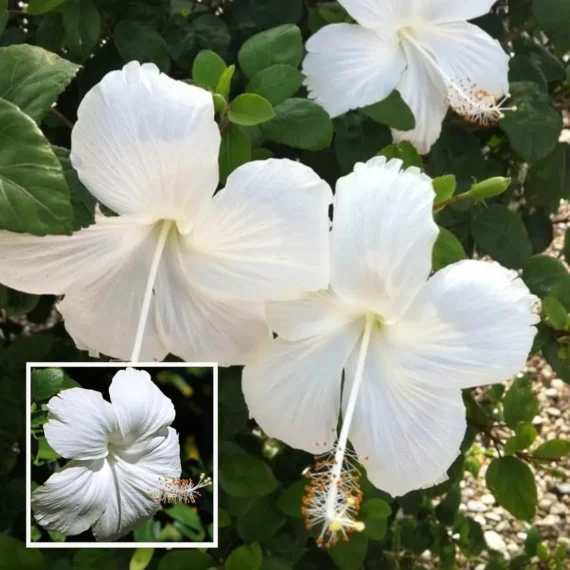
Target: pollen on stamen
179,491
337,519
476,105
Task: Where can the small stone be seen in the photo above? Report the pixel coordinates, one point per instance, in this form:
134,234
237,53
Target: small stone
563,488
468,492
502,526
546,373
521,535
557,383
495,542
488,499
558,509
480,519
549,520
551,392
493,516
545,504
476,506
553,412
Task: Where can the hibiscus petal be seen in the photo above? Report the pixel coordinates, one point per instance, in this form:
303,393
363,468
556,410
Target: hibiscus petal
423,89
141,408
137,477
388,14
468,56
349,67
72,499
147,145
80,424
382,236
472,324
407,434
103,272
440,11
292,389
265,236
199,327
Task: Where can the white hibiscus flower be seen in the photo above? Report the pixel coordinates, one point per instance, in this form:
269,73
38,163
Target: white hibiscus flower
179,270
423,48
122,453
407,344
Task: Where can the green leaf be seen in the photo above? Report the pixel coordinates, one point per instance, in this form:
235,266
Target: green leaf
4,15
444,187
261,522
566,248
276,83
17,303
561,367
540,230
141,558
546,181
15,556
141,42
350,555
526,434
45,451
82,202
268,14
34,196
243,475
36,7
447,249
405,151
235,150
244,558
546,276
554,18
81,22
275,564
33,78
185,515
534,129
374,514
47,382
186,560
290,501
249,109
300,123
520,403
472,540
207,69
446,511
224,83
501,234
392,111
282,44
555,313
513,485
553,449
533,539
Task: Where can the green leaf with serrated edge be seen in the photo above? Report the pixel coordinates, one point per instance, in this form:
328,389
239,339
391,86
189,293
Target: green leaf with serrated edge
447,249
141,42
555,313
281,45
36,7
392,111
501,234
34,195
300,123
33,78
207,69
520,403
553,449
276,83
250,109
246,557
513,485
235,150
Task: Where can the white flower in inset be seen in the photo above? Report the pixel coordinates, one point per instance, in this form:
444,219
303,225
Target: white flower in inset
425,49
407,344
197,265
120,452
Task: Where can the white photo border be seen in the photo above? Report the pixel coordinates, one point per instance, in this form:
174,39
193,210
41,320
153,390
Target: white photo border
118,365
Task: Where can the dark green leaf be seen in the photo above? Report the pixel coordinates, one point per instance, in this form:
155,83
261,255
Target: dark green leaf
447,510
535,127
550,351
4,15
17,303
405,151
92,559
81,22
554,18
553,449
546,181
546,276
540,231
261,522
300,123
15,556
566,249
350,555
533,539
501,234
245,558
290,501
282,44
250,109
520,403
374,514
36,7
513,485
266,14
393,112
276,83
235,150
141,42
33,78
207,69
186,560
47,382
447,249
185,515
34,195
525,434
472,540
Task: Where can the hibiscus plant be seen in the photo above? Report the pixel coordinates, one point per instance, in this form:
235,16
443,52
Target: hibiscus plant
352,207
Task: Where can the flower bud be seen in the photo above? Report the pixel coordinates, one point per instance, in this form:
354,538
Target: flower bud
490,187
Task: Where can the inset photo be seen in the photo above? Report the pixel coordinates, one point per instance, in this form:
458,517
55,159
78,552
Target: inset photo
122,455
